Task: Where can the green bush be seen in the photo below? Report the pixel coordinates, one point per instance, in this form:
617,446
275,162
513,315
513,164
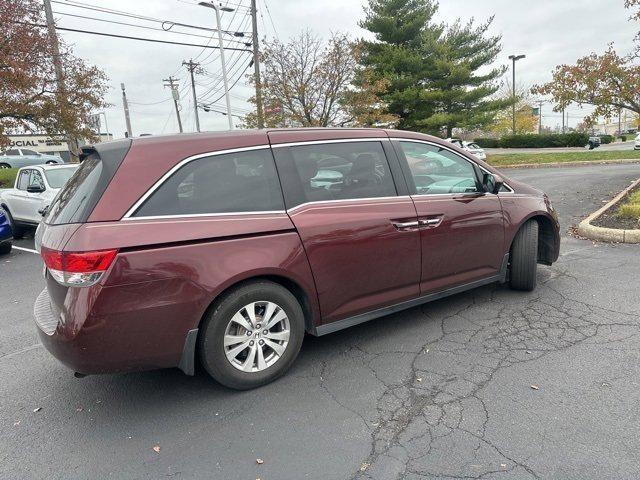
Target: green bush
604,139
8,177
572,139
487,142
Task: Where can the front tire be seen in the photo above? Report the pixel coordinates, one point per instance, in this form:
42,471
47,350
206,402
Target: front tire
524,258
252,335
5,247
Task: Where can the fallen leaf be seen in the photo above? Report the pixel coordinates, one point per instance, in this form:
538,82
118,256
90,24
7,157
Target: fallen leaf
79,409
156,449
535,387
419,379
503,465
364,466
259,461
16,424
528,352
35,410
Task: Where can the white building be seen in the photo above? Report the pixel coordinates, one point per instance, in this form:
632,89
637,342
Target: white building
45,144
627,123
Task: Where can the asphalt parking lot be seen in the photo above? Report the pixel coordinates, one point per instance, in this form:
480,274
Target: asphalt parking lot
489,384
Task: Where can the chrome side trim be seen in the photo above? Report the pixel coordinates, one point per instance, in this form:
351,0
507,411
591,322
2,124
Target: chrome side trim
342,200
182,163
205,215
444,147
336,140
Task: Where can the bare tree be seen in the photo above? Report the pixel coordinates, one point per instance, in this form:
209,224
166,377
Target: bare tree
304,81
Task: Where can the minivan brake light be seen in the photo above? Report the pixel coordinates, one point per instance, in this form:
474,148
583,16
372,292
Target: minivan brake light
77,269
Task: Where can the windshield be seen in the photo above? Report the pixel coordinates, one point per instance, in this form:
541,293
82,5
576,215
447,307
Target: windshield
56,178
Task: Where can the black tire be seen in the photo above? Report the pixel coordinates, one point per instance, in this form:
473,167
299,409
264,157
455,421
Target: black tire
524,258
5,247
17,230
5,165
211,336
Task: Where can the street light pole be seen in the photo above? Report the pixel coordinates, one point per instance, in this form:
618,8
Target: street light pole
514,59
222,60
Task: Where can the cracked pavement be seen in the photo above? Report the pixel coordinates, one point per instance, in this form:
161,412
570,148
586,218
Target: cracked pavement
491,384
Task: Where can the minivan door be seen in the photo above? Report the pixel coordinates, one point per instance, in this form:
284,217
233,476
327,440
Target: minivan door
360,235
461,226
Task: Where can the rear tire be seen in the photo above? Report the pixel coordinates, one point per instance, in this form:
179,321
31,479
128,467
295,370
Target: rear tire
5,165
220,337
524,258
17,230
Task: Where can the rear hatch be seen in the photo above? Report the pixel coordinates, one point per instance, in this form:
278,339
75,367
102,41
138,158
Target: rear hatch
72,206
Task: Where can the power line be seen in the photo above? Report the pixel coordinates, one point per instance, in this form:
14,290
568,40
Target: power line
165,23
127,37
115,22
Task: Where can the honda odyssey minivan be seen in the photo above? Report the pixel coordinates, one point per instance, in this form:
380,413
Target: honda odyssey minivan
227,248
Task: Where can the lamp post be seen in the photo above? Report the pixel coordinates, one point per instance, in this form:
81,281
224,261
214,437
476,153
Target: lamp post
514,59
219,8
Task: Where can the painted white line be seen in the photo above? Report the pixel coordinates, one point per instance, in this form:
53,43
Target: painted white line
30,250
21,351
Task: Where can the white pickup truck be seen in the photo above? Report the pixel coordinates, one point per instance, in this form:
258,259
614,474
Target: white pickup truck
33,191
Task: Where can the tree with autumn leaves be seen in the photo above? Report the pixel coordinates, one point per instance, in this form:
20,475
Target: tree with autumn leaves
610,81
30,98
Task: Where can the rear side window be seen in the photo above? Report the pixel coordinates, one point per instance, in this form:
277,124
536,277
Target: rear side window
13,152
23,180
339,171
69,204
228,183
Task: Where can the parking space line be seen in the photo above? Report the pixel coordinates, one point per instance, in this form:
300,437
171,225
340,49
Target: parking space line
30,250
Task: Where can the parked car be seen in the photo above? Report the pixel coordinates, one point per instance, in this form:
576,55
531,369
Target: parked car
34,189
154,264
636,144
594,142
21,157
471,147
5,234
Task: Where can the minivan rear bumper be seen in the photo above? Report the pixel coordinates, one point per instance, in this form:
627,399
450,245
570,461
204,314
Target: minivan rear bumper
107,338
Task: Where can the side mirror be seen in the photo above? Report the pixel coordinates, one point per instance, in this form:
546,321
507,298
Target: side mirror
34,189
492,183
43,211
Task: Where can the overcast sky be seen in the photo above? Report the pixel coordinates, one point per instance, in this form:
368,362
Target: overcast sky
549,32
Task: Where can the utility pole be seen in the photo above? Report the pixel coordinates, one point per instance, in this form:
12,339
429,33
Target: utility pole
217,8
173,84
191,66
620,121
125,104
514,59
256,64
540,117
72,143
563,120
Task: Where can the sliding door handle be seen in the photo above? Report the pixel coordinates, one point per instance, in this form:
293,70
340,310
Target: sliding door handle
403,225
429,222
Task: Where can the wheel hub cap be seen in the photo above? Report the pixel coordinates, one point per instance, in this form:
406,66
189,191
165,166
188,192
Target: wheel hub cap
257,336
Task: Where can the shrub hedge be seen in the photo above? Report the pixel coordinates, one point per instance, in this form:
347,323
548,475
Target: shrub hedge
572,139
487,142
606,139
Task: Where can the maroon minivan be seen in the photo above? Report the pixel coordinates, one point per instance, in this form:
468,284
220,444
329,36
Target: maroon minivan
229,247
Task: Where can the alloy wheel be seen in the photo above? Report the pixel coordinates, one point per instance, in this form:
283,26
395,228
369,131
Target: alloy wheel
257,336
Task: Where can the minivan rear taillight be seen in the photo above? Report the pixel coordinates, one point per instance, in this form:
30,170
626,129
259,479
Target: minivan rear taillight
77,269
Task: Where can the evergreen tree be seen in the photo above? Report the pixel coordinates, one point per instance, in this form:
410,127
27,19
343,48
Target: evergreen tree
432,69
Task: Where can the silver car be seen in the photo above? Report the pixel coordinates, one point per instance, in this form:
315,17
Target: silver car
22,157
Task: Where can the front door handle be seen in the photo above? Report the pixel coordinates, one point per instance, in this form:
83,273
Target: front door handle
403,225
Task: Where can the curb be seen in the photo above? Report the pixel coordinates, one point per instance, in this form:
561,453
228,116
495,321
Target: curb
577,163
585,229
